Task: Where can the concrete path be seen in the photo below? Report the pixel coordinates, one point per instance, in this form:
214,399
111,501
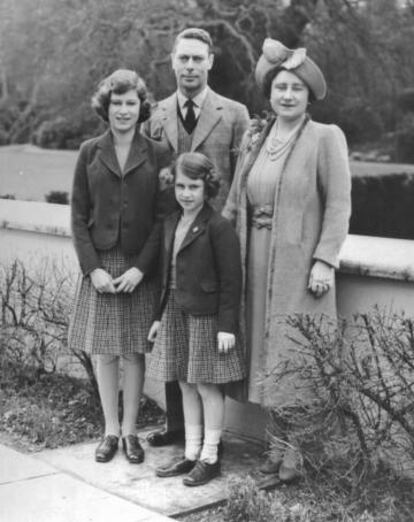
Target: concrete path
33,491
67,484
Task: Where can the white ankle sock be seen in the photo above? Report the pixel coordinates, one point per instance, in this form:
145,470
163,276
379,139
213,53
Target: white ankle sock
193,439
211,441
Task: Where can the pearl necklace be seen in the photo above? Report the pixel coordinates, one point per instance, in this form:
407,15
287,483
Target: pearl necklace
276,147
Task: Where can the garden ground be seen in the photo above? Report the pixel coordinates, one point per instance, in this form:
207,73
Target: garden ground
54,418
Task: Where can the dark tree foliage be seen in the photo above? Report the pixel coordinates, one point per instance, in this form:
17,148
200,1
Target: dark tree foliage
54,52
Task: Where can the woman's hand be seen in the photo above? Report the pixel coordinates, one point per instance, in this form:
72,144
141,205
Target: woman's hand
153,331
321,278
128,281
225,341
102,281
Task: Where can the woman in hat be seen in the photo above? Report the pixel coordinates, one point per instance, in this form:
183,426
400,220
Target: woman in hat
290,202
114,204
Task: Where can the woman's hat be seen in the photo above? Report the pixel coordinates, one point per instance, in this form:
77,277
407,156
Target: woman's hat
276,56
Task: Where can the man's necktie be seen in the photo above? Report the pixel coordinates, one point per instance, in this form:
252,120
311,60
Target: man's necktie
190,118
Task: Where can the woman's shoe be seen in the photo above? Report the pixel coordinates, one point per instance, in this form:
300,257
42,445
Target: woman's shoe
177,467
133,449
291,467
106,448
202,473
271,466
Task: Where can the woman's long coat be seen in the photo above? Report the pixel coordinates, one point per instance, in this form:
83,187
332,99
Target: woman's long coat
310,222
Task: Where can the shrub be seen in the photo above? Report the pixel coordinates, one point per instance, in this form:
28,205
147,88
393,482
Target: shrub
7,196
382,206
35,307
354,412
246,503
404,145
57,196
58,133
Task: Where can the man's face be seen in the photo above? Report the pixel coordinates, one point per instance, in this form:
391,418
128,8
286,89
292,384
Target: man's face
191,62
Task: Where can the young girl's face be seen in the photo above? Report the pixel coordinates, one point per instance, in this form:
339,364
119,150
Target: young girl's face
189,192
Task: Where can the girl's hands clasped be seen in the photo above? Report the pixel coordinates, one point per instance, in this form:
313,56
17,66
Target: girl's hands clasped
129,280
321,278
102,281
225,341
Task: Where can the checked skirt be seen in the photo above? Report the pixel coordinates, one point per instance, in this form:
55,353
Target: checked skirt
112,323
186,350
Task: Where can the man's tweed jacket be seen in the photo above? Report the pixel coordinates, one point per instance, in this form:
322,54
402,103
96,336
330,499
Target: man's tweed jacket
220,128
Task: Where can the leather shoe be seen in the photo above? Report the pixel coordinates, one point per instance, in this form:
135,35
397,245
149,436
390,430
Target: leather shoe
202,473
106,448
271,466
165,437
132,449
291,467
176,468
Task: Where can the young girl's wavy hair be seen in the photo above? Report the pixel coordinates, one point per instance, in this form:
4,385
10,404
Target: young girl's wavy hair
197,166
120,82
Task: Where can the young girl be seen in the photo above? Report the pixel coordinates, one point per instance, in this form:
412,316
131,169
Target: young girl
195,340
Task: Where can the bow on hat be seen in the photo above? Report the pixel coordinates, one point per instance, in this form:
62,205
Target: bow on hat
275,55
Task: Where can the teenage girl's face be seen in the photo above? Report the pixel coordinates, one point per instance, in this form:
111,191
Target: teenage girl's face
123,111
289,96
189,192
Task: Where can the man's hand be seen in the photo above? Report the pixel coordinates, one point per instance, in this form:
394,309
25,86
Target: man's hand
153,331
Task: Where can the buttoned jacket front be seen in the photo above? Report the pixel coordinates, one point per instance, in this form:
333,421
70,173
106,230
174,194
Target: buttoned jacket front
218,133
113,208
208,267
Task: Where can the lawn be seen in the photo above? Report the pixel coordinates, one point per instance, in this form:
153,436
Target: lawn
28,172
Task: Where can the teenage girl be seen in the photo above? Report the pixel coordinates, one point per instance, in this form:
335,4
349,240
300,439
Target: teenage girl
195,338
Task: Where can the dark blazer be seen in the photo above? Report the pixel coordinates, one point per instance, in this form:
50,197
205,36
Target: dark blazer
208,268
109,208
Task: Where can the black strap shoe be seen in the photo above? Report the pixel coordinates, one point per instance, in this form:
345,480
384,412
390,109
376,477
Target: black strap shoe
165,437
202,473
106,448
176,468
133,449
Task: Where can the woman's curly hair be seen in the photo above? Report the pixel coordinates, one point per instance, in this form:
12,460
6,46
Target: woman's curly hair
120,82
197,166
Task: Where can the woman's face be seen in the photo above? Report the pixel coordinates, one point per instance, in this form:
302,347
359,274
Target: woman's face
289,96
189,192
123,111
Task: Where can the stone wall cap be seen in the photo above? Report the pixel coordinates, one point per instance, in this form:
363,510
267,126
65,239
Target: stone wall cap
378,257
35,216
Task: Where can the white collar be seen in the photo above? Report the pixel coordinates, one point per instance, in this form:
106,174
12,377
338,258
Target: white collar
198,100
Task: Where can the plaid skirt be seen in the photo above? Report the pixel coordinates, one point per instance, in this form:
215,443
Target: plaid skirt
112,323
186,350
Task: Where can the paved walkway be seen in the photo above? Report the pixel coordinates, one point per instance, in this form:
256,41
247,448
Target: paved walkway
67,485
33,491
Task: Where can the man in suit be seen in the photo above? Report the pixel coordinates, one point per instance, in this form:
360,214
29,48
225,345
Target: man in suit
195,118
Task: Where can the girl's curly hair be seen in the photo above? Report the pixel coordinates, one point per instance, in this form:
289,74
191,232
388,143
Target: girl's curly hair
197,166
120,82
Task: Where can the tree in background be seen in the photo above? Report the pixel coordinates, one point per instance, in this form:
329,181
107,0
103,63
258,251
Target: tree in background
53,53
